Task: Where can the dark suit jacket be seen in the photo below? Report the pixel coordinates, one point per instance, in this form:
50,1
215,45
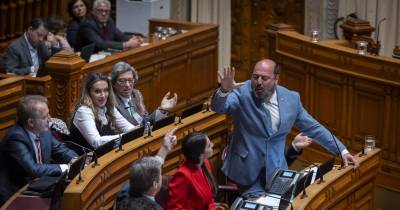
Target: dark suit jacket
124,201
90,32
72,32
20,161
18,58
189,189
124,112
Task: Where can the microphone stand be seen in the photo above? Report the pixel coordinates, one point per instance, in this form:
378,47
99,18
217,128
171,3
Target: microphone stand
119,144
84,149
340,154
80,179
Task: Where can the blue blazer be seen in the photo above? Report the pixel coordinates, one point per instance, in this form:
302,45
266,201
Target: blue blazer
251,148
19,160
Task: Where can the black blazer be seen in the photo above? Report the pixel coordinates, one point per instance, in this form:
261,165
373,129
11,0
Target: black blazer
90,32
19,160
18,58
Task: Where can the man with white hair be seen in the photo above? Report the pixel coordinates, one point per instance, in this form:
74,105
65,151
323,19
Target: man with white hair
130,100
100,29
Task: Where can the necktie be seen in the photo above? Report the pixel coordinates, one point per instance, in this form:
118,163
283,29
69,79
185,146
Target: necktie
38,150
267,119
131,108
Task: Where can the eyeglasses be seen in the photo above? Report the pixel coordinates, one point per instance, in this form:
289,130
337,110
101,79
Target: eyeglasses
124,81
101,11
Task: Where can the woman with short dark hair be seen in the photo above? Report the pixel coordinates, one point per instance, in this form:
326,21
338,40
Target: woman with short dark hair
77,10
193,186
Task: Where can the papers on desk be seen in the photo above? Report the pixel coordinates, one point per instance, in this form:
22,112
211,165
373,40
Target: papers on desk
269,200
314,169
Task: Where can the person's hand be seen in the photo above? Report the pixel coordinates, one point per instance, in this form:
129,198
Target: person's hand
301,141
133,42
349,159
52,39
35,70
170,139
168,103
228,79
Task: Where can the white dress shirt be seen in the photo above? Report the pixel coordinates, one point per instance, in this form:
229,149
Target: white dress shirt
34,54
84,121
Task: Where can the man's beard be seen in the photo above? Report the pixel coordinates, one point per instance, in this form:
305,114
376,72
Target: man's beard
267,93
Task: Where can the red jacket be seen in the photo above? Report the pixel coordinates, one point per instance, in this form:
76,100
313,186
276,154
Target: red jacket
190,189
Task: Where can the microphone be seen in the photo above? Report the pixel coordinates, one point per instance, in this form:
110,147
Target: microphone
147,130
339,152
84,149
119,144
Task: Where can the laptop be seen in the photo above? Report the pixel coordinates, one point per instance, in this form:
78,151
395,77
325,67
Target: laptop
76,167
164,122
132,135
107,147
87,51
192,110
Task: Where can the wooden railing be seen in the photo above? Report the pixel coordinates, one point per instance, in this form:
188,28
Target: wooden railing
185,64
101,183
11,91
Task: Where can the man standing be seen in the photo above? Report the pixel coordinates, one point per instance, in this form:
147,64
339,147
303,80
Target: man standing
101,30
29,150
28,53
130,100
263,114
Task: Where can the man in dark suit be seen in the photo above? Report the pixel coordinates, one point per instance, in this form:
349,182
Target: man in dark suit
28,54
146,179
101,30
29,150
130,100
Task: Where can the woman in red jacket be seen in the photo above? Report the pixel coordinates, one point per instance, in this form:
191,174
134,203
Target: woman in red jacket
193,186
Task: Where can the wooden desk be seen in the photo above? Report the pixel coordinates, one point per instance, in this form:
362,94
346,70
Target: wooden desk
100,185
352,95
345,188
185,63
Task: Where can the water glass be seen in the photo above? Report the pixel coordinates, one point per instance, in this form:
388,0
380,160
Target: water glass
315,36
369,143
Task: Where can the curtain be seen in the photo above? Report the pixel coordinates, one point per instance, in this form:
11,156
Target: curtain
218,12
374,11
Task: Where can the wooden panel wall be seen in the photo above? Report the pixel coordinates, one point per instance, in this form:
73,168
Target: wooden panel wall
16,15
11,91
249,21
352,95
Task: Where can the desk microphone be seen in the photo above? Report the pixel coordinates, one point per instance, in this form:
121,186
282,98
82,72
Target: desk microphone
85,149
119,144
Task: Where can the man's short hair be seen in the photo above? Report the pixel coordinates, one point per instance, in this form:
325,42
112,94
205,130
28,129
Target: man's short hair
142,175
120,68
96,2
277,69
37,22
27,108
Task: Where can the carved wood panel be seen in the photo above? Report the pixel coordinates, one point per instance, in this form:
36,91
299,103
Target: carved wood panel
249,21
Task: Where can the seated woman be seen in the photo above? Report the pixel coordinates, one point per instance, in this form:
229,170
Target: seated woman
78,10
96,120
56,37
193,185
